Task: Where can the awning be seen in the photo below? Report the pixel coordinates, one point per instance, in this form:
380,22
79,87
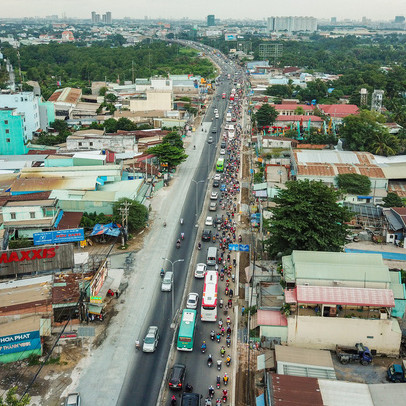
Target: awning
112,229
58,218
261,193
94,308
260,400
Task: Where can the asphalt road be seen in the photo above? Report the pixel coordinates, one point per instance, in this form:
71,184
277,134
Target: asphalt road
143,381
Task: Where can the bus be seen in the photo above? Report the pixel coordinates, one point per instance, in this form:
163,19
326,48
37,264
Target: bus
186,330
220,165
209,299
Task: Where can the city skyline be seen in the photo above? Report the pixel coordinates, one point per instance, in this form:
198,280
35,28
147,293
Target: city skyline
162,9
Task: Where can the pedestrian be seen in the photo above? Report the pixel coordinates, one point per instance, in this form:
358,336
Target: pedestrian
242,311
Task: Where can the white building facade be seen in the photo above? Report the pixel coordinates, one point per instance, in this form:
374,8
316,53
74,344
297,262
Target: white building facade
292,24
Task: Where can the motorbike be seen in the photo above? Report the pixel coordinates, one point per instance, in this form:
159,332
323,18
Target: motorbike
220,322
203,348
226,291
212,335
222,276
199,246
181,221
182,236
177,244
218,382
209,362
225,379
221,303
211,392
224,398
228,342
219,362
239,238
173,401
233,278
162,273
218,338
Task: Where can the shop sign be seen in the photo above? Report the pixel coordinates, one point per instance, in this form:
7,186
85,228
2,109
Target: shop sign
59,236
96,299
20,342
27,255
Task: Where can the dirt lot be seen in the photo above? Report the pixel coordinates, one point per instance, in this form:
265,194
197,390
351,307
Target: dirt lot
355,372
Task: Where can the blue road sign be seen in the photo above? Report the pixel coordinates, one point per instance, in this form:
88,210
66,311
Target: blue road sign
243,247
233,247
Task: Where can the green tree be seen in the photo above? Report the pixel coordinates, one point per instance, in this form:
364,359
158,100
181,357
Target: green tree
354,183
12,399
110,97
392,200
299,110
174,139
137,215
384,143
102,91
266,115
307,217
168,154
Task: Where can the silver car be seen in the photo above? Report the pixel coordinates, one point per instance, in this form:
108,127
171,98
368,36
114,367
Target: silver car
167,282
73,399
151,339
192,301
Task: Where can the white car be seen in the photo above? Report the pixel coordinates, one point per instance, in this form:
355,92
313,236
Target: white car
167,282
214,196
200,270
192,301
216,115
217,176
209,221
222,151
151,339
216,111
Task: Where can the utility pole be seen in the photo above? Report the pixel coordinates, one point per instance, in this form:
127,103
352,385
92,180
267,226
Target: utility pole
124,210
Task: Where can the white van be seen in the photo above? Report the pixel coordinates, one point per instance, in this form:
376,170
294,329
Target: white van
167,282
211,256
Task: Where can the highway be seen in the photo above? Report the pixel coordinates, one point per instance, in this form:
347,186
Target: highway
143,379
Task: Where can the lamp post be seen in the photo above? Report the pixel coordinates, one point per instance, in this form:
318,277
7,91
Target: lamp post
173,282
197,182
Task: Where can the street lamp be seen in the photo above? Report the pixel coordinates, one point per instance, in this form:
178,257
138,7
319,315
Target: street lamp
173,282
197,182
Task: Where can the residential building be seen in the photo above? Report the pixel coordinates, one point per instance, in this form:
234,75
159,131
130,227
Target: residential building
395,224
13,138
347,298
292,24
290,109
109,19
325,165
27,103
338,111
211,20
64,101
67,36
152,100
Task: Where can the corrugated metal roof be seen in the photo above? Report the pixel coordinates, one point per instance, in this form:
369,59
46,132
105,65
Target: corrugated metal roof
335,266
345,296
286,368
87,182
24,325
295,391
303,356
341,393
270,318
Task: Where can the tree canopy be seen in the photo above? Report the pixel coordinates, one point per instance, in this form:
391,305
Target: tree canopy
307,217
137,216
354,183
170,151
266,115
11,399
392,200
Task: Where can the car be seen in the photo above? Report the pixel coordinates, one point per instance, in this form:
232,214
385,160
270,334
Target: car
222,151
214,195
206,235
223,144
73,399
210,140
216,183
209,221
167,281
177,376
213,206
216,115
223,187
151,339
214,130
216,111
200,270
192,301
191,399
218,219
217,176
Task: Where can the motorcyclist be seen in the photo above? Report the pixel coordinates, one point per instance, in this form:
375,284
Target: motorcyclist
225,378
189,387
211,391
220,323
222,330
199,245
228,330
173,400
218,381
194,146
204,346
225,393
210,359
228,340
221,302
162,272
212,334
218,336
222,350
228,359
182,236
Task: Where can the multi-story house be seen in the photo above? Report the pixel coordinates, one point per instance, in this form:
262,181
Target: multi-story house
13,137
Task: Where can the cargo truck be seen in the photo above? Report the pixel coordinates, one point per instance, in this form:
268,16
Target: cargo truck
358,353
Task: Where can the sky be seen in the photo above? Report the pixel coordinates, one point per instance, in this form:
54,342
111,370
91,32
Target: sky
195,9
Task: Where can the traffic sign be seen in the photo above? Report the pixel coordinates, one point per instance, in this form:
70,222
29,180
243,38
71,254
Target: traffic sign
233,247
243,247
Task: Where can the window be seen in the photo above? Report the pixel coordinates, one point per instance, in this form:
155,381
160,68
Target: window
13,216
32,214
7,131
80,144
5,122
91,144
8,140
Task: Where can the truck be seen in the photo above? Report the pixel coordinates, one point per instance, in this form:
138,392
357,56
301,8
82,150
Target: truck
359,353
397,372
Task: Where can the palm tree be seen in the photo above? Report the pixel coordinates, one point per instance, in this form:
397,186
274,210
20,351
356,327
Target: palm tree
384,143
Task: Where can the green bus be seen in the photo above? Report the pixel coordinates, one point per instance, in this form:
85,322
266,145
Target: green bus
220,165
187,330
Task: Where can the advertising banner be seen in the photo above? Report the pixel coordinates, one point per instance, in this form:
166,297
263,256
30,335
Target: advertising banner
59,236
20,342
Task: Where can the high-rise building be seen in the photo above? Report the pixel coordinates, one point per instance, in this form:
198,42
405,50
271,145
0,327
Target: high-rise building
104,18
399,19
211,20
109,18
333,20
97,18
93,17
292,24
12,132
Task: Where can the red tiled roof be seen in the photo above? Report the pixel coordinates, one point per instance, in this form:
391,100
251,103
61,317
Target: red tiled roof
398,187
371,171
70,219
312,146
290,390
42,152
292,106
345,296
271,318
298,117
21,198
338,110
290,69
316,170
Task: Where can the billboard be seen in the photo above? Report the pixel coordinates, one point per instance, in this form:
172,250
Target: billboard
230,37
32,259
20,342
59,236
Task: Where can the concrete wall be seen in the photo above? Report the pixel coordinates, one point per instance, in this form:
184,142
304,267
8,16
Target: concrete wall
23,213
115,143
274,331
154,101
384,336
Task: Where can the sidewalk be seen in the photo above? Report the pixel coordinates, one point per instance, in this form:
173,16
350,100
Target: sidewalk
115,354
